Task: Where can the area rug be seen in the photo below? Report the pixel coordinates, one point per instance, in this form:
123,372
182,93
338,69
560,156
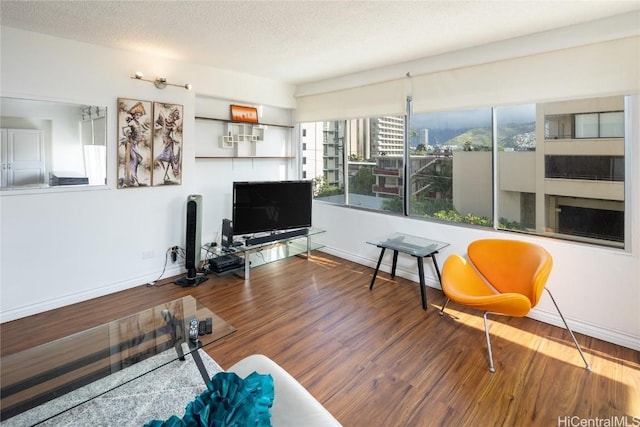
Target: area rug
157,395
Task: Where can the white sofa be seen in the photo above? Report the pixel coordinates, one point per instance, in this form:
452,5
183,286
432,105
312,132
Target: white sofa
293,405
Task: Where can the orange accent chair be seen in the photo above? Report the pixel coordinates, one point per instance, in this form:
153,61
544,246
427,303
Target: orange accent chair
503,277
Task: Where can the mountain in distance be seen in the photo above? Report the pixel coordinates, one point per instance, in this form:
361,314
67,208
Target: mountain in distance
521,136
477,137
510,136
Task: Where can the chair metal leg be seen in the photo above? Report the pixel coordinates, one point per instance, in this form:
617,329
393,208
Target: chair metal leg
587,366
441,312
486,332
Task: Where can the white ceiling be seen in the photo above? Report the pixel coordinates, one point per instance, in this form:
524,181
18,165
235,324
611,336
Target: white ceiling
300,41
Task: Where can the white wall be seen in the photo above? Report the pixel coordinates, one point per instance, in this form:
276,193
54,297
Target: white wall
63,246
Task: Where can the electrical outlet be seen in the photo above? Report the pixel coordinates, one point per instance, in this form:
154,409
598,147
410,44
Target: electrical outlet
174,254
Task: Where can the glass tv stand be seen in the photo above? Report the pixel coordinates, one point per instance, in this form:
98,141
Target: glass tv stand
267,252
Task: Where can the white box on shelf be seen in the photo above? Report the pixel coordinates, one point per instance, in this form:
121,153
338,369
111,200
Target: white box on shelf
226,141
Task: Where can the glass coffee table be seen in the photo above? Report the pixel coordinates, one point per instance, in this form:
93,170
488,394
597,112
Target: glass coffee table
417,247
102,358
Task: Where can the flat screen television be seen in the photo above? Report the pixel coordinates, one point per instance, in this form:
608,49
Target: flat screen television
270,206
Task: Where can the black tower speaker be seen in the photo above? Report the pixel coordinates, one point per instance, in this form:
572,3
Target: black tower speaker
193,242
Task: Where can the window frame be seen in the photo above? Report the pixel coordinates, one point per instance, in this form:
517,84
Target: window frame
628,123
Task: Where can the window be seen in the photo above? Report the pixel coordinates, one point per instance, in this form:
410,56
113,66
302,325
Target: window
451,166
584,182
599,125
551,181
376,163
516,171
600,224
596,168
585,125
362,162
612,125
558,126
532,168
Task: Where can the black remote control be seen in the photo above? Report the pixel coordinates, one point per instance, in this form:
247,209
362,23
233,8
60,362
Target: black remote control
209,325
202,327
193,329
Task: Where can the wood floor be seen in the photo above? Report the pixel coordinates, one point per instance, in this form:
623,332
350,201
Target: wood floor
376,358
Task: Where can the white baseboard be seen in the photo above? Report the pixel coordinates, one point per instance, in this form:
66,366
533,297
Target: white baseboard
590,329
50,304
430,280
586,328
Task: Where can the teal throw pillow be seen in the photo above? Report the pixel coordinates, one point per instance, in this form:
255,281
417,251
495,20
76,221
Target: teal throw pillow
228,401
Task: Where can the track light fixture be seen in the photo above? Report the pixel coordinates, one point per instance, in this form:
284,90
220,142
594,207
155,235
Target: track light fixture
159,82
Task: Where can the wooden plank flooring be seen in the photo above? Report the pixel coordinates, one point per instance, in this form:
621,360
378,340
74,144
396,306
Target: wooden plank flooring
376,358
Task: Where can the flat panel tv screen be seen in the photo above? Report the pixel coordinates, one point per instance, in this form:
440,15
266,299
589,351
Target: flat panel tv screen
268,206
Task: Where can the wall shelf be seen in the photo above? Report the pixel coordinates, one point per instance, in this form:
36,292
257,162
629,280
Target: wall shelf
244,157
242,138
251,124
218,138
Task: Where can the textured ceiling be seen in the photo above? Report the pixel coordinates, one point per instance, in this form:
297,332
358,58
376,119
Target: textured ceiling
300,41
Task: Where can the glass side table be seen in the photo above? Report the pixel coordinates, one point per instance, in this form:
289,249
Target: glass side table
417,247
